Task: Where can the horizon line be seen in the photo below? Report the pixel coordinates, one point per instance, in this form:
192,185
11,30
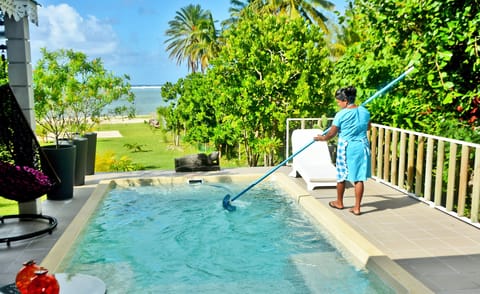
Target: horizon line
146,86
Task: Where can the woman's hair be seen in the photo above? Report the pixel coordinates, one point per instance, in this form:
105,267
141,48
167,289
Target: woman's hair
346,94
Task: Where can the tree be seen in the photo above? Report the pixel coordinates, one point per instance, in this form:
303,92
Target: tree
269,69
71,92
236,9
346,34
310,10
171,93
3,70
3,60
441,39
192,37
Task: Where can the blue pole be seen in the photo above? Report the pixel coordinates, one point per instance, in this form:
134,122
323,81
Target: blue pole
227,202
273,170
384,89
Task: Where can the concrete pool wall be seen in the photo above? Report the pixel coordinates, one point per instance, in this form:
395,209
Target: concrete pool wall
360,249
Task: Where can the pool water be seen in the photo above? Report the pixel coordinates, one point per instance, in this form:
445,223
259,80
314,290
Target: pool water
179,239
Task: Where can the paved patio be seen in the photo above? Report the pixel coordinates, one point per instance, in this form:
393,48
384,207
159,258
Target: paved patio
436,248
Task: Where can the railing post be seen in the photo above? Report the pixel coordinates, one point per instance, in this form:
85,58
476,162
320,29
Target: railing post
401,161
476,188
373,146
463,181
452,165
428,170
439,173
410,162
380,147
287,139
386,158
394,164
419,175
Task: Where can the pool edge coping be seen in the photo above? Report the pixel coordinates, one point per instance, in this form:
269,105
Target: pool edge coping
359,247
367,254
74,229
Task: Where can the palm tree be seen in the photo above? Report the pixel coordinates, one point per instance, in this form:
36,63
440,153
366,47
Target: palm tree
192,37
237,7
307,9
346,34
209,44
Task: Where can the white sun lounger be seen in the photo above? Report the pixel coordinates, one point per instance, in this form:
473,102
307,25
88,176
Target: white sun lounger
313,164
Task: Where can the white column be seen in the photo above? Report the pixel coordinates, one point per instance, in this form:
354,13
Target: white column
19,64
20,78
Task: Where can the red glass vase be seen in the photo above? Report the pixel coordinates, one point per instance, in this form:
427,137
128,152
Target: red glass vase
25,275
43,283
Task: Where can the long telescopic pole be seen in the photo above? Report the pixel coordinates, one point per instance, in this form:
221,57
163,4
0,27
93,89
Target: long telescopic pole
227,202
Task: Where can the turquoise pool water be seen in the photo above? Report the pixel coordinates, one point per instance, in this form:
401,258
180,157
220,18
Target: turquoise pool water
179,239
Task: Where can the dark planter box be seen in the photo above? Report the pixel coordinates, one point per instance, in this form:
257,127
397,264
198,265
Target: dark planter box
91,153
63,162
80,160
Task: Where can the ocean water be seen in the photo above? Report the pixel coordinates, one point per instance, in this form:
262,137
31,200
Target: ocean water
147,100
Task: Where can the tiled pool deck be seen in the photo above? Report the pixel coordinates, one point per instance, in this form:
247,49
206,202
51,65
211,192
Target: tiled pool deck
437,249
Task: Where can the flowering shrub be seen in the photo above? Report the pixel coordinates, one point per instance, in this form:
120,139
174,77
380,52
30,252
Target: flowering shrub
108,162
22,183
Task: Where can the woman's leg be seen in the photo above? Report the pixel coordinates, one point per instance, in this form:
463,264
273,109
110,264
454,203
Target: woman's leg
340,192
358,197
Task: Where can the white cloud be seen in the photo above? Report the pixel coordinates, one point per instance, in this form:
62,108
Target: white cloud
61,26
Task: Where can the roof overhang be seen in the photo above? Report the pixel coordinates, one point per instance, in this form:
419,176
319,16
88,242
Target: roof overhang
18,9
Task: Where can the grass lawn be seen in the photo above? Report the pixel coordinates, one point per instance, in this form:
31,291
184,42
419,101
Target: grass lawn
145,146
8,206
154,150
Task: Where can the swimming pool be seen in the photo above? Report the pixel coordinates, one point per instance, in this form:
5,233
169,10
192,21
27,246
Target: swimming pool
267,245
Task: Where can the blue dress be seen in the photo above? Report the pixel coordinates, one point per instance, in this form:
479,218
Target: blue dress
353,150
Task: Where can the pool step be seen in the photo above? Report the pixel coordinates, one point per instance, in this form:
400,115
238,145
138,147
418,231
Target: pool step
328,272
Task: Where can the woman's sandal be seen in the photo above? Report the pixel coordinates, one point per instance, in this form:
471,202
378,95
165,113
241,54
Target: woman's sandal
332,205
354,212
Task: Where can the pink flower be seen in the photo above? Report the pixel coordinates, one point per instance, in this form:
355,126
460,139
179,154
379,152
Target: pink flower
22,183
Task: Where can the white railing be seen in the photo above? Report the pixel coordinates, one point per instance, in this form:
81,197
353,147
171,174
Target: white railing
442,172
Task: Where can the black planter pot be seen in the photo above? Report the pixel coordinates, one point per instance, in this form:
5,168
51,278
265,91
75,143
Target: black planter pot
91,152
63,161
80,160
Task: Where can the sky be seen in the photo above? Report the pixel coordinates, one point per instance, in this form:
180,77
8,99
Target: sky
128,35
